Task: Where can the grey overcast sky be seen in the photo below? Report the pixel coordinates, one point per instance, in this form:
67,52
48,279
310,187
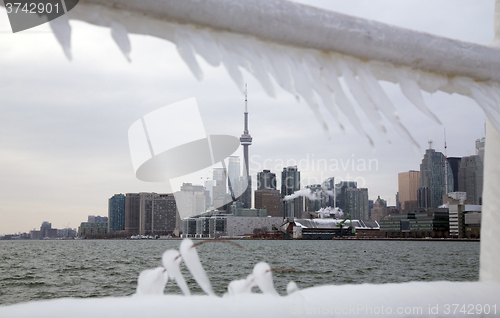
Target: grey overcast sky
63,125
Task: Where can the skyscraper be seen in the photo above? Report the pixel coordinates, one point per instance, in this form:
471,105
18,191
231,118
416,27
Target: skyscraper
340,192
290,182
356,203
470,178
266,180
433,170
408,184
234,175
116,213
246,140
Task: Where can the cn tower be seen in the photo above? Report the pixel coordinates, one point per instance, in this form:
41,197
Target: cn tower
246,140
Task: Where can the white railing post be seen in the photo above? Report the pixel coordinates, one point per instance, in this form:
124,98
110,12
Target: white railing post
490,223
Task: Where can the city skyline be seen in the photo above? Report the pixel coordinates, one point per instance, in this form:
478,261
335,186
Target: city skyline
60,148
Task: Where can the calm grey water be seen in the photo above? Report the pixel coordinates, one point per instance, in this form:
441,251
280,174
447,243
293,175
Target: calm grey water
33,270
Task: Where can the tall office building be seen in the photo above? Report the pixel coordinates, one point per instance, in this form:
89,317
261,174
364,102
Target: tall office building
132,213
329,186
356,203
408,184
290,182
340,189
116,213
470,178
219,189
266,180
234,175
246,140
268,199
436,174
480,148
454,164
424,197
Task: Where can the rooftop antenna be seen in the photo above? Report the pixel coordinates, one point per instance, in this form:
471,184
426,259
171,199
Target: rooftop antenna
430,144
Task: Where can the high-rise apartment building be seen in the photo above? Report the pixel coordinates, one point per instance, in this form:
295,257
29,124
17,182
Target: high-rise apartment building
290,182
132,213
408,184
116,213
150,214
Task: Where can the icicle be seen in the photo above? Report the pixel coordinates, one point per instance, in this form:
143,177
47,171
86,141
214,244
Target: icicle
322,89
264,278
256,67
303,88
171,260
230,63
204,45
186,52
278,67
241,286
152,281
120,35
377,95
412,91
291,287
363,100
342,101
62,30
192,261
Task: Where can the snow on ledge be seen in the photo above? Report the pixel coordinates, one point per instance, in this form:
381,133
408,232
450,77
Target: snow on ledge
412,299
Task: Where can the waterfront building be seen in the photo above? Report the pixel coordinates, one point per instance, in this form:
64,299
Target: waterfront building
132,213
116,213
290,182
356,203
268,199
93,229
408,184
436,175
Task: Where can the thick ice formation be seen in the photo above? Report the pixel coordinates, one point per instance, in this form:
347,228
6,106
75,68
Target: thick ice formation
192,261
171,260
263,278
152,281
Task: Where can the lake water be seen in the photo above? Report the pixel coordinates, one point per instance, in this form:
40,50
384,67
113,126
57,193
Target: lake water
34,270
